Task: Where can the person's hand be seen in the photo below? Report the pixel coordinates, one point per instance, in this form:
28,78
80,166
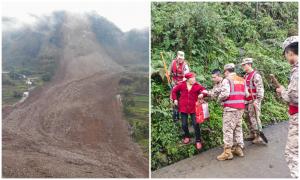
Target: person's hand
200,96
176,102
279,90
205,91
201,101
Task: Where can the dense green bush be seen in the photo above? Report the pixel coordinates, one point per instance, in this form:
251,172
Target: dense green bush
211,35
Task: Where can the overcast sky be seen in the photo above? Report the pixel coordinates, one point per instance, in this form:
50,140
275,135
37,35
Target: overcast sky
125,14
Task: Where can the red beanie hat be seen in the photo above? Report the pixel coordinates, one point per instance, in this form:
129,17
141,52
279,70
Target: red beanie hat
189,75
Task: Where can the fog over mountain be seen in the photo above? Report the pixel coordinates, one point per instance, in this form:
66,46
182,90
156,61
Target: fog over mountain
27,43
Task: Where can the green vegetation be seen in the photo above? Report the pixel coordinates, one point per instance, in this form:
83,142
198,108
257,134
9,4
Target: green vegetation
135,100
13,86
12,90
31,51
211,35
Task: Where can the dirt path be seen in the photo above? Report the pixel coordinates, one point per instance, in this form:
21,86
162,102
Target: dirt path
73,127
259,161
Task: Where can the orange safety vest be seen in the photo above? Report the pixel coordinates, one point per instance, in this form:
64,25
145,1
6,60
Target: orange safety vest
250,85
237,94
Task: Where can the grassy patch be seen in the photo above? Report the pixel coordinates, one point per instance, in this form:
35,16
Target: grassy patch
138,118
13,88
135,102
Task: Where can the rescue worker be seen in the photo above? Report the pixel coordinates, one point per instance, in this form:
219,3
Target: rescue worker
232,96
290,95
255,88
217,79
178,68
189,92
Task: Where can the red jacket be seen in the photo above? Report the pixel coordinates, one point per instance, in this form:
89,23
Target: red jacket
188,99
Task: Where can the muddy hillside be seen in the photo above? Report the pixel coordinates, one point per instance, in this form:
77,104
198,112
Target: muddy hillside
73,125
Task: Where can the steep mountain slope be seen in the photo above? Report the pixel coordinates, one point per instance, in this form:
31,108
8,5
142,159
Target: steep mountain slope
73,126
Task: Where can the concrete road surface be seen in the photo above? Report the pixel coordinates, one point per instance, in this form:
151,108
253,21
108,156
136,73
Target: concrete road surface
264,161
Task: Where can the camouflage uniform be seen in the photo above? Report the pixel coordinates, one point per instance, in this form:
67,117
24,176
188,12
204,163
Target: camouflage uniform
249,110
232,124
291,150
215,91
232,119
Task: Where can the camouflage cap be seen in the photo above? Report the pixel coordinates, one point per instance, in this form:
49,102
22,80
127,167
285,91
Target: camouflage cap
247,61
229,66
289,41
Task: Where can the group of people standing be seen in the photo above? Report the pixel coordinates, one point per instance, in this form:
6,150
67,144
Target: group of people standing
239,96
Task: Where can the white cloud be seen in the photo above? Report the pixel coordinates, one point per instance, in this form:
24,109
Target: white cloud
125,14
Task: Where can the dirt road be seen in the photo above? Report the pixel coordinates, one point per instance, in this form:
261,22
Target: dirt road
73,127
259,161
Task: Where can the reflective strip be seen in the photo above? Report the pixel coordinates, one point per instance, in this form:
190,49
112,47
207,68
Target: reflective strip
252,87
251,80
231,85
237,93
234,101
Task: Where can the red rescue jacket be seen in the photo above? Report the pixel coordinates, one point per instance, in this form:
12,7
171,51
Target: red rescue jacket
177,71
237,95
293,108
250,85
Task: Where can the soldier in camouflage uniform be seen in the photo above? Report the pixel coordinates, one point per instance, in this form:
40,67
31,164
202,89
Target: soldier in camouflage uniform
217,80
255,88
290,95
232,94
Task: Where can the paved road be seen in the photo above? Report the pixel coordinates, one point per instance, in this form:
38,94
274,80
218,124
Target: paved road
259,161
